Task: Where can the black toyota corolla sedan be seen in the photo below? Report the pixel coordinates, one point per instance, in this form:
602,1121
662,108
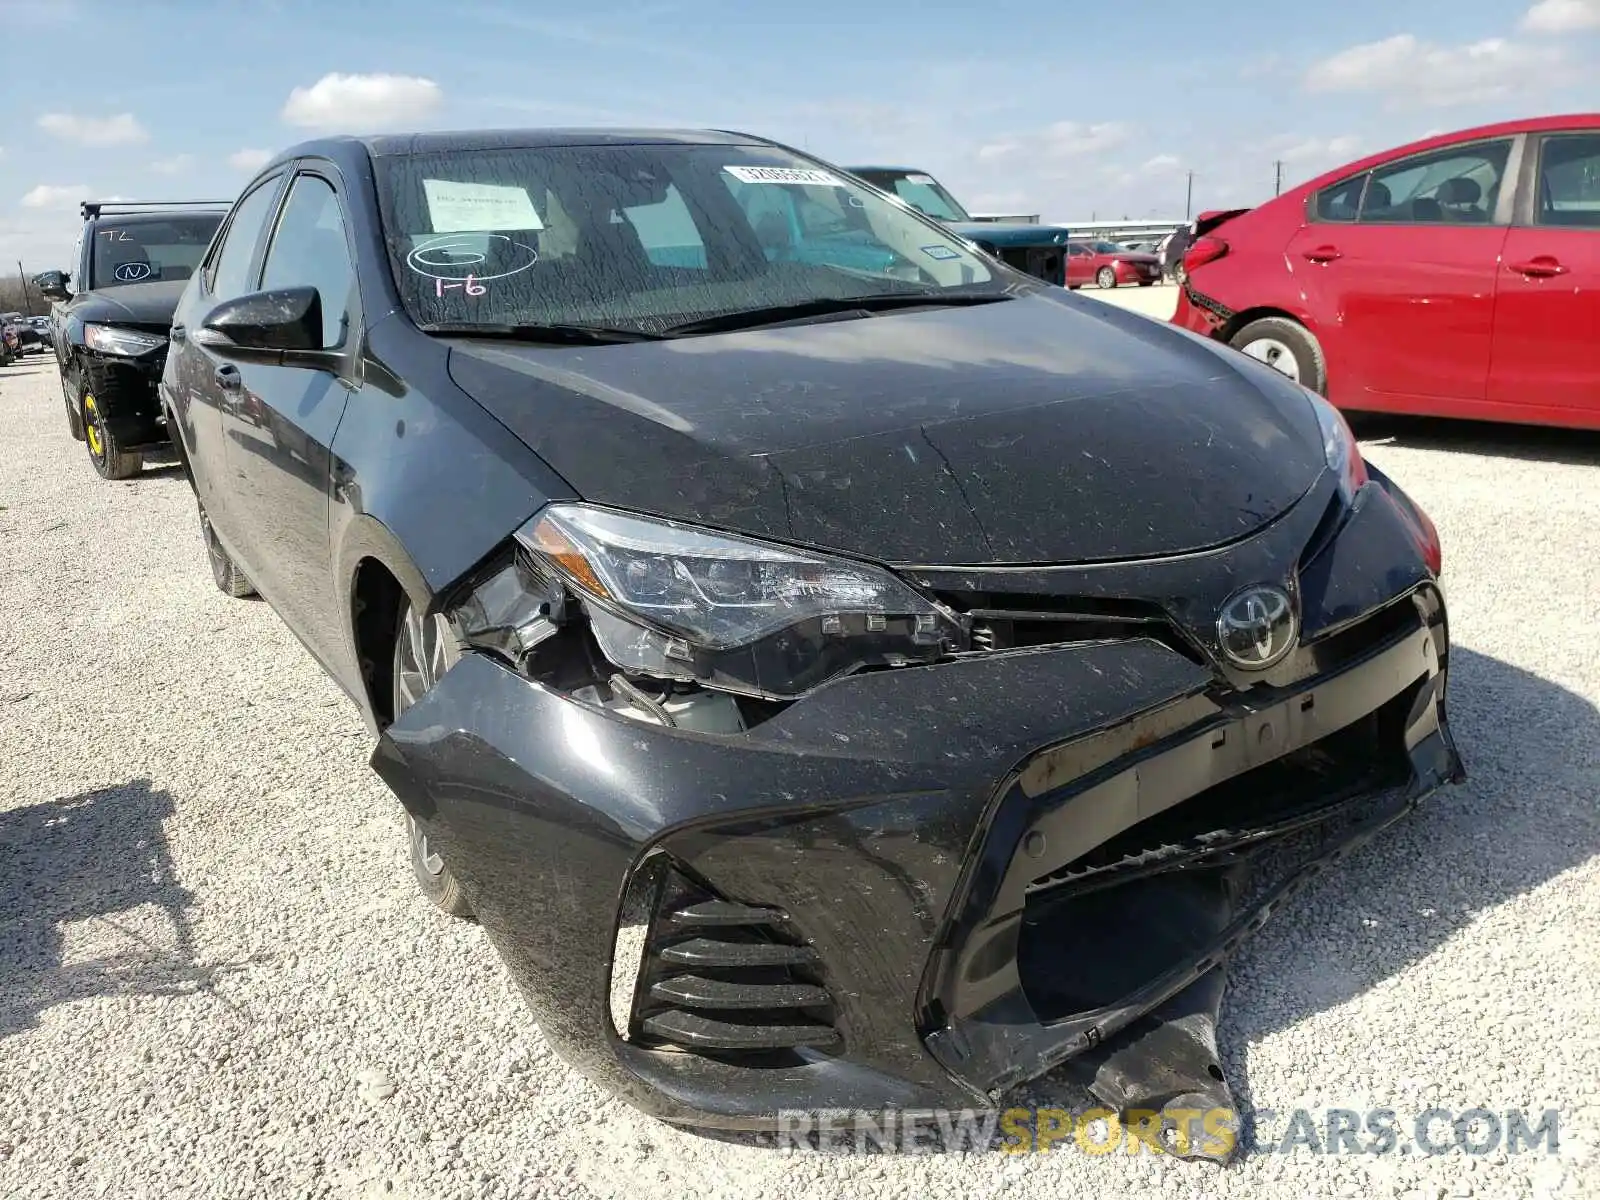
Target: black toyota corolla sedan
837,670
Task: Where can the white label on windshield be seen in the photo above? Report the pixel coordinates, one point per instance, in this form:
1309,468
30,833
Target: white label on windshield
469,207
923,179
793,175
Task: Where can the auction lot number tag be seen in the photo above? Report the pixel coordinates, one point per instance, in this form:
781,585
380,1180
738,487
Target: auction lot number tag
803,177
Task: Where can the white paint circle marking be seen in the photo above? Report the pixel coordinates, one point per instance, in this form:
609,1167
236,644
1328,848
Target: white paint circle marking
423,259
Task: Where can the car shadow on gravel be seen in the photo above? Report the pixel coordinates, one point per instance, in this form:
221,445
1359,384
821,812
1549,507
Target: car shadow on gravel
1525,815
90,904
1529,443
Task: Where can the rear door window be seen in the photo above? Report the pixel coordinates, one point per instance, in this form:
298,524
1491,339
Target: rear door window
1342,201
1458,185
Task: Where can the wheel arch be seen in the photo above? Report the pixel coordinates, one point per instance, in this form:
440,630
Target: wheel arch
1239,320
376,577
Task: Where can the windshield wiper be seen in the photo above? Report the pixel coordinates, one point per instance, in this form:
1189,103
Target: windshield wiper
778,314
560,335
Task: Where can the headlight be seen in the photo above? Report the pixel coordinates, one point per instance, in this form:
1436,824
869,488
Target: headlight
1339,447
109,339
677,602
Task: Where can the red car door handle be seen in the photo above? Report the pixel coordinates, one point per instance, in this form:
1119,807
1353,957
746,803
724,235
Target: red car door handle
1542,267
1322,254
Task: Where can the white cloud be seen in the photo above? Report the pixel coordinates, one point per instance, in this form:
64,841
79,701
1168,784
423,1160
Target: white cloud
1317,150
1406,70
1562,16
249,160
119,130
176,165
362,102
53,195
1161,164
1063,140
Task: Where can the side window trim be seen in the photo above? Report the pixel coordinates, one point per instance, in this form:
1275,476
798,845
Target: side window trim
208,270
323,172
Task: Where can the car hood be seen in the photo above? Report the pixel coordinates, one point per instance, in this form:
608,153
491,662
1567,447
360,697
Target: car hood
137,304
1010,233
1037,430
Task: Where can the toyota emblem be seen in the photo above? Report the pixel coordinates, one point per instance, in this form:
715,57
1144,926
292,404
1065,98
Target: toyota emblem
1257,627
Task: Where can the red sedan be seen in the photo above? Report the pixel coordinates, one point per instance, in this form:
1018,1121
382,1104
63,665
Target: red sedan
1108,265
1457,276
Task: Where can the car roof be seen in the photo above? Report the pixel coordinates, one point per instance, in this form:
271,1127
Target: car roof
1588,121
389,144
143,217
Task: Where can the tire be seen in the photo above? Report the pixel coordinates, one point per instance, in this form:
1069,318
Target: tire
424,649
106,388
1147,283
109,459
231,581
1106,278
1179,275
1288,347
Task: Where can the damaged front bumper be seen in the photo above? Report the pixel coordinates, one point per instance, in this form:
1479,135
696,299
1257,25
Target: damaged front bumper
918,887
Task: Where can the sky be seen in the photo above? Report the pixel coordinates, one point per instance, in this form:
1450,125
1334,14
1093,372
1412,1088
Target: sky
1016,105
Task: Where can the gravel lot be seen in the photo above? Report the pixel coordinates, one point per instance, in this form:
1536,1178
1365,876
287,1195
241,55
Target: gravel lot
216,979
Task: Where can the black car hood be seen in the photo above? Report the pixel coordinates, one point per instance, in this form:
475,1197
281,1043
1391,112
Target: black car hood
1038,430
137,304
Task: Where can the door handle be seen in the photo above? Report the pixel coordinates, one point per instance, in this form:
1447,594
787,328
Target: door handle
1322,254
228,377
177,333
1542,267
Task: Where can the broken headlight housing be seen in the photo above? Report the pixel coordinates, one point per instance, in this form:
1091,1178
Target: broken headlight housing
1339,447
677,602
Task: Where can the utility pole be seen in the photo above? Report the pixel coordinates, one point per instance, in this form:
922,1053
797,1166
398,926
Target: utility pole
27,304
1188,198
1277,187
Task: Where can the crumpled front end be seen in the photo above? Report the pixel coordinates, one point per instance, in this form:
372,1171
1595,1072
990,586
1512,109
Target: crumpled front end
918,886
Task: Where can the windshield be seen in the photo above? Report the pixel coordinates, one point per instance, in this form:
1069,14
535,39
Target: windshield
147,251
1109,248
923,192
643,238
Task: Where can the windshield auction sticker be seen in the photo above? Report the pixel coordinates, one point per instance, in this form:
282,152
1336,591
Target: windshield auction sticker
472,207
800,176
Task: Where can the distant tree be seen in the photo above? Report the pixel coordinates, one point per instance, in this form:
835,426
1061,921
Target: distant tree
17,295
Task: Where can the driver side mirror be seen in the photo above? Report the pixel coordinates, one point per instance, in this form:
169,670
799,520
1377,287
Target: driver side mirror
52,285
282,319
281,327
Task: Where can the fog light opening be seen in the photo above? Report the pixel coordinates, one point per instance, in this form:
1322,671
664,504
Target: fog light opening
639,901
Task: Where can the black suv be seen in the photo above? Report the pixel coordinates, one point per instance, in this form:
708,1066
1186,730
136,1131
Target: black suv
110,336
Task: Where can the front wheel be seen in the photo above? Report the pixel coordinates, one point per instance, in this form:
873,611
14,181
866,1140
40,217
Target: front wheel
109,459
1286,346
424,649
1106,277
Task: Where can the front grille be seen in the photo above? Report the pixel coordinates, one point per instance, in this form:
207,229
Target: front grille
1143,889
1011,621
727,979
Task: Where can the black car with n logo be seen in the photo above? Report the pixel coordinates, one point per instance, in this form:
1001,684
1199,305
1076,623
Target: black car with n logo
110,333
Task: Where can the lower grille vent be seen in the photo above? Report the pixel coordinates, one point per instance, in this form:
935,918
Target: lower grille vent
723,979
